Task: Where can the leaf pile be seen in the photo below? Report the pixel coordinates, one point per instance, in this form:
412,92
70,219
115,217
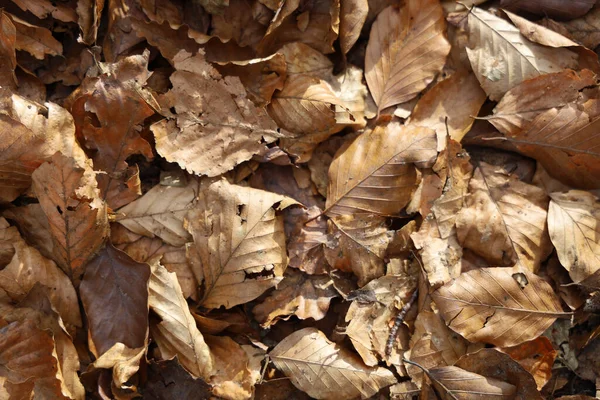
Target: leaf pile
273,199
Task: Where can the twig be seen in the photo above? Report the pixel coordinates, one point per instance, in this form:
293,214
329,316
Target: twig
399,319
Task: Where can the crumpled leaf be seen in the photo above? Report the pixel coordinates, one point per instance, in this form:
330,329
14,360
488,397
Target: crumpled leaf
504,219
114,293
89,13
27,267
299,294
124,362
550,8
239,243
502,58
317,366
501,306
358,245
177,333
375,172
558,129
573,218
407,48
160,212
29,135
77,218
213,132
107,110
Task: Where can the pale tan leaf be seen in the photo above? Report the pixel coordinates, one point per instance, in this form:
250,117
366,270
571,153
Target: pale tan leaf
407,48
299,294
501,306
239,243
502,58
35,40
160,212
560,129
28,267
177,333
77,218
124,362
450,105
216,126
574,223
353,14
324,370
456,383
114,293
375,173
504,219
358,245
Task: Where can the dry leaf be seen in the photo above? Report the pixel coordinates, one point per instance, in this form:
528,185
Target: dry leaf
498,305
407,48
537,357
455,383
76,216
114,293
550,8
502,58
239,243
160,212
353,14
573,218
44,8
358,245
375,173
89,12
317,366
8,40
584,30
504,219
450,105
35,40
216,131
123,361
177,334
299,294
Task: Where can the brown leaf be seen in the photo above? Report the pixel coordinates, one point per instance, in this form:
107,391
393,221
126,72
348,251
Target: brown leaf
8,40
407,48
584,30
177,334
29,135
239,22
160,212
239,243
504,219
572,222
550,8
353,14
496,365
299,294
162,374
375,172
27,267
451,104
358,245
536,356
107,111
35,40
114,293
77,218
502,58
307,241
44,8
317,366
89,13
452,382
498,305
221,114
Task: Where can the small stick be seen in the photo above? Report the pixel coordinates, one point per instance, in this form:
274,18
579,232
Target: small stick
399,319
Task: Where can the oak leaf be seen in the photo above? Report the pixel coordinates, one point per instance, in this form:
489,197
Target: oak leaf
317,366
407,48
502,306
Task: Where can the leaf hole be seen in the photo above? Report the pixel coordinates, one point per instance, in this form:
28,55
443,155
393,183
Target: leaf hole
60,211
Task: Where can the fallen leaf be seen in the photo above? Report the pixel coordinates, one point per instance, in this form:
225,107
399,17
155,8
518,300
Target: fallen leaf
89,13
536,356
77,218
317,366
8,40
500,306
114,293
176,334
550,8
375,172
44,8
162,374
205,137
502,58
123,361
504,219
407,48
299,294
160,212
35,40
583,29
572,221
239,243
353,15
